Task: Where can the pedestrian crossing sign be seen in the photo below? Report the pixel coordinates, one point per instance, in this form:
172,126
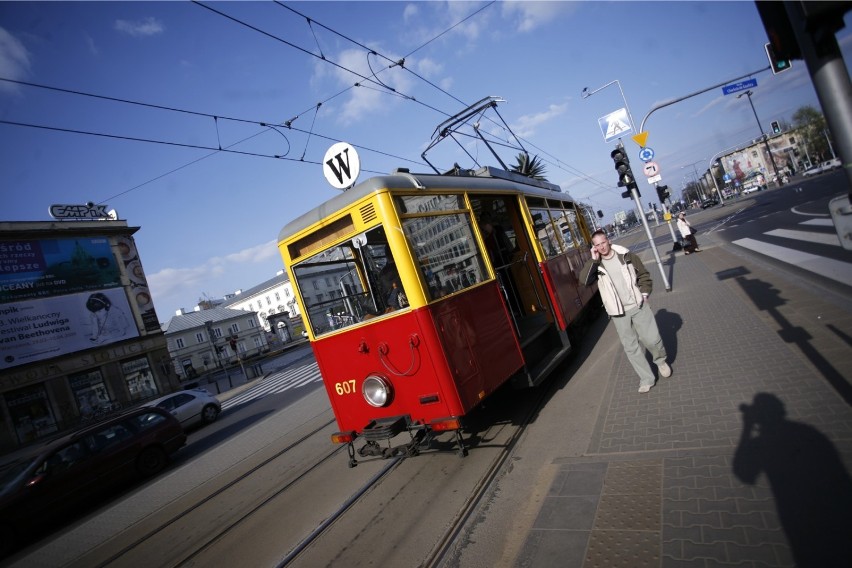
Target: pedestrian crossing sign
615,125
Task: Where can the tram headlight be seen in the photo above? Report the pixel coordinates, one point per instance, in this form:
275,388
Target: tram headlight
377,391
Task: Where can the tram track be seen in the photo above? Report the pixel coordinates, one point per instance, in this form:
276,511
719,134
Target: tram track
444,547
187,510
351,527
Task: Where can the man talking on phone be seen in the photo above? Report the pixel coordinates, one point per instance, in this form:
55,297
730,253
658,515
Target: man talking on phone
625,286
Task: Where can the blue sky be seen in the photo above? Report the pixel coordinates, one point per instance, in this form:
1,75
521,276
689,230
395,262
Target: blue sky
209,219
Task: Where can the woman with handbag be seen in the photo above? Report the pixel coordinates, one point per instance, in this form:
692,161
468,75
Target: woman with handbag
688,234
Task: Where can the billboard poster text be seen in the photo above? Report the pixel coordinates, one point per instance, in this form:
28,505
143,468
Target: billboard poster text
34,330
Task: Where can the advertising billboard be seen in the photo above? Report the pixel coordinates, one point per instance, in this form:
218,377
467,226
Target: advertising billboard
37,329
39,268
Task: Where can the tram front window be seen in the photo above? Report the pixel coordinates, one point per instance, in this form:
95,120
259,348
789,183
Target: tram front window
349,283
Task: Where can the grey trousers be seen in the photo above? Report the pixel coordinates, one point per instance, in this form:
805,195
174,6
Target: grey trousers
638,331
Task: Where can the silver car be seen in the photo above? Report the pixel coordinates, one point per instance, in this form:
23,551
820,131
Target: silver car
190,407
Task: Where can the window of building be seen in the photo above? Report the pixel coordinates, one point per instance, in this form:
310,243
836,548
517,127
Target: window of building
199,337
251,322
268,301
277,297
31,414
179,342
89,391
235,327
140,380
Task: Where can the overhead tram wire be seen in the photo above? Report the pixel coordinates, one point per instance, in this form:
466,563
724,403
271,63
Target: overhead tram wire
265,125
401,63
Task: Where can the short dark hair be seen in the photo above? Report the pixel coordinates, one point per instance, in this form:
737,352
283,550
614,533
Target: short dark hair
599,232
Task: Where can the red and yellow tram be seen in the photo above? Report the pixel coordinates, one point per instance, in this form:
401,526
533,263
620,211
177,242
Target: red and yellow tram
424,293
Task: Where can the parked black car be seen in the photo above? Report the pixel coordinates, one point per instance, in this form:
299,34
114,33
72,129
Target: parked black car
709,202
45,482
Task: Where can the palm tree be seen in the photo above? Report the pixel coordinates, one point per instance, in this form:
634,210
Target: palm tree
533,168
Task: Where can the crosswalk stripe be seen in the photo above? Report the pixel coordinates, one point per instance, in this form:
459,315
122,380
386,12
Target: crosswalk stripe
834,269
818,222
809,236
277,382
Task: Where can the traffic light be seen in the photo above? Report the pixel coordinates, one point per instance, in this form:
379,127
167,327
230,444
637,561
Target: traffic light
625,174
779,32
663,193
777,63
233,343
776,128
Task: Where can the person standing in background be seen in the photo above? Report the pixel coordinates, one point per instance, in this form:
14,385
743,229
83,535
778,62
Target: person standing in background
688,234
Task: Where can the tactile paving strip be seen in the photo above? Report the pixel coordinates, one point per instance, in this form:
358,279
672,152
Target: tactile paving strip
627,526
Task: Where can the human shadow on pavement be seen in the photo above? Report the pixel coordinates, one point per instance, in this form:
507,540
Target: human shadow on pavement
669,324
812,489
768,299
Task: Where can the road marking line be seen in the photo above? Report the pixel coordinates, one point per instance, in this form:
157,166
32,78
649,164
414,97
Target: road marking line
833,269
809,236
818,222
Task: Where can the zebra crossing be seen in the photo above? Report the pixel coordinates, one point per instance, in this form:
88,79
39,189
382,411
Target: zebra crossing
834,269
277,382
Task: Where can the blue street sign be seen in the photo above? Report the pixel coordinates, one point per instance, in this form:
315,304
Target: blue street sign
646,154
737,87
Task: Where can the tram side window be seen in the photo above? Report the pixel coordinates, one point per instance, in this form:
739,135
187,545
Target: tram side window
440,233
546,232
363,278
571,235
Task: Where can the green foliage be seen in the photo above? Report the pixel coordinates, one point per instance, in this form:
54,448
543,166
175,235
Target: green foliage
810,124
533,168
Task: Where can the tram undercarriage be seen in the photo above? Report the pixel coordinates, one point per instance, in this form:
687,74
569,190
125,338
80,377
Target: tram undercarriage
379,433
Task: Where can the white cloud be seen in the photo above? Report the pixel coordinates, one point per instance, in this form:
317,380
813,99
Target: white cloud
410,13
175,285
532,15
14,61
144,28
525,126
371,97
428,67
90,43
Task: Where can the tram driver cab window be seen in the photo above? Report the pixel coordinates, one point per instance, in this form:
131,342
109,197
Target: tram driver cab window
357,280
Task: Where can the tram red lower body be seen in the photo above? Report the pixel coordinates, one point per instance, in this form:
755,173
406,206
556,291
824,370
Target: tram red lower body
441,360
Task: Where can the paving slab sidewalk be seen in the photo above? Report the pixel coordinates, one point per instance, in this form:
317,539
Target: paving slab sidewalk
610,477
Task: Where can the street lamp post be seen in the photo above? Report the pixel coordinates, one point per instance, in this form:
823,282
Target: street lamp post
634,192
763,136
586,93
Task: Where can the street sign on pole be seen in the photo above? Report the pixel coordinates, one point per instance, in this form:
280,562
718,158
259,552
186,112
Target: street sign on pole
615,125
740,86
651,169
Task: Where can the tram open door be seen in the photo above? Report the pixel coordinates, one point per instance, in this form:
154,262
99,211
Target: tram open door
506,235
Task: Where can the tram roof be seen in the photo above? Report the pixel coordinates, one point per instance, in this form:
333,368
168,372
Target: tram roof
485,179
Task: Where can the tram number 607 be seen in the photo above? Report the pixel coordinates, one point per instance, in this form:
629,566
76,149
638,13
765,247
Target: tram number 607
346,387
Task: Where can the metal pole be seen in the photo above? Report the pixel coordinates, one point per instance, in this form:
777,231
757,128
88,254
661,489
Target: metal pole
586,94
696,93
635,195
634,192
